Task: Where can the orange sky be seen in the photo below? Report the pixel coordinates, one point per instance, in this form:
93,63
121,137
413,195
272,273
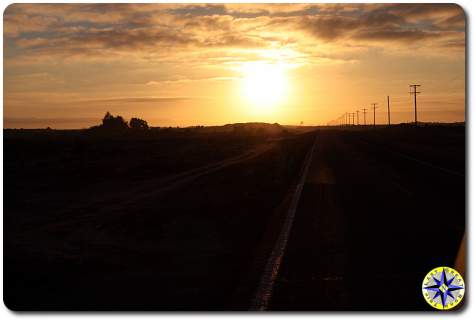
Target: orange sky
189,64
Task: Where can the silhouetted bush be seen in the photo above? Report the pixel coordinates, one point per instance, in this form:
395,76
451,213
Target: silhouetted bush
137,123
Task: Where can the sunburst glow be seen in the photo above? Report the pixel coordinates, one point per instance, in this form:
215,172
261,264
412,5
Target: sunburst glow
265,85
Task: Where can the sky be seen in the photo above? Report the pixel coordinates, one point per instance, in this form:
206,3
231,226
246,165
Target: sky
66,65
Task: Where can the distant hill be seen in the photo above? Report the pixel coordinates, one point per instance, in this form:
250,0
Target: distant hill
247,128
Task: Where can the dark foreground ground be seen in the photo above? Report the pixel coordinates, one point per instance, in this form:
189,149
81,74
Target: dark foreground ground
185,220
163,221
379,210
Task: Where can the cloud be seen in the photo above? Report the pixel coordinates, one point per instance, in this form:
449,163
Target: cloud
188,80
151,31
456,44
385,24
395,35
328,27
421,11
139,100
200,10
16,122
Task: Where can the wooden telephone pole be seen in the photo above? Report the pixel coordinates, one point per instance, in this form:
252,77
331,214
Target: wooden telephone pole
389,114
415,92
364,115
374,114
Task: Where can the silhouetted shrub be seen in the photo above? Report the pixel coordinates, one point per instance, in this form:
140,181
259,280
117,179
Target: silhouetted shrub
137,123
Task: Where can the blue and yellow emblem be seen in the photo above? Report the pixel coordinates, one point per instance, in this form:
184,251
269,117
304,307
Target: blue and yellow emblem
443,288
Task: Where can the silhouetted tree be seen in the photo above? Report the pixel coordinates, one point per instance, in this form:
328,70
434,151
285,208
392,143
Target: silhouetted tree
137,123
114,123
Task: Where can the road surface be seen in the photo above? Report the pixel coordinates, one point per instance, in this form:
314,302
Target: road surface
372,220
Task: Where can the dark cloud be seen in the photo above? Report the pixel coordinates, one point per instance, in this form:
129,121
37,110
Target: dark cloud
104,42
211,23
200,10
216,10
132,38
423,10
391,23
395,35
328,27
231,40
379,19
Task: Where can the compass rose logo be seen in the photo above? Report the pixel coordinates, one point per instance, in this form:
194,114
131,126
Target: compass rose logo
443,288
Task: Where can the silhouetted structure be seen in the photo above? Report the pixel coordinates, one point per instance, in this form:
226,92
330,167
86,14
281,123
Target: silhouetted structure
374,114
364,115
389,114
415,92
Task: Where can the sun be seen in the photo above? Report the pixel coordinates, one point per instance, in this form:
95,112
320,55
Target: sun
265,85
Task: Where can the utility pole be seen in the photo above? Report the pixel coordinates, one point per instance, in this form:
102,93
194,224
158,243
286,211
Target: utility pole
353,119
374,114
415,92
358,117
389,114
364,115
